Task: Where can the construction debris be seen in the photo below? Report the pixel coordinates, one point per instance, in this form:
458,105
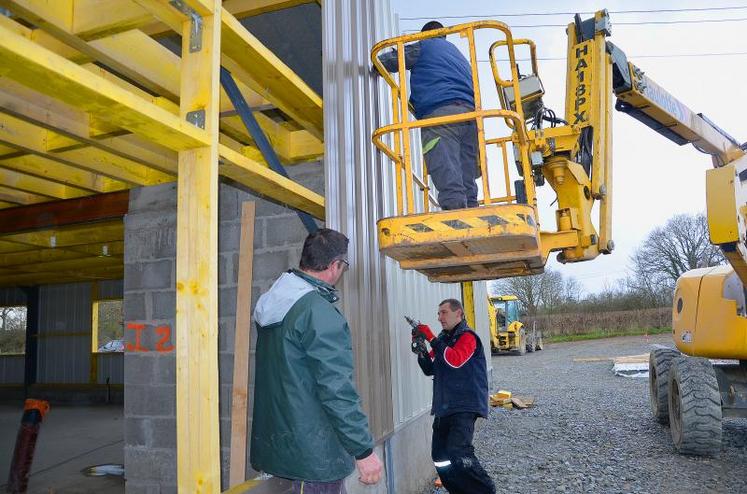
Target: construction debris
506,400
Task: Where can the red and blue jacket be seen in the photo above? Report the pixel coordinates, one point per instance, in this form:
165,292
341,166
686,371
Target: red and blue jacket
460,374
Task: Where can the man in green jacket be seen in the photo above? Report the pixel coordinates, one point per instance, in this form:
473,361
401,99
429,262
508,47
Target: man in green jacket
308,425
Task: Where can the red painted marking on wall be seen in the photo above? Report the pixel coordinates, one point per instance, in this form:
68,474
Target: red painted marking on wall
137,347
164,344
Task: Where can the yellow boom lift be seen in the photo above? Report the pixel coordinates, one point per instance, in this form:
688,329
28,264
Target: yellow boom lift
573,155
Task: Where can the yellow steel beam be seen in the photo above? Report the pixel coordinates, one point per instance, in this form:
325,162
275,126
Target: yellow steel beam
42,70
270,184
197,417
246,8
36,185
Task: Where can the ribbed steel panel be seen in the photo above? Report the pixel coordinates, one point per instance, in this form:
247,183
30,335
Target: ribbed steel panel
11,369
110,289
12,296
64,333
376,294
111,366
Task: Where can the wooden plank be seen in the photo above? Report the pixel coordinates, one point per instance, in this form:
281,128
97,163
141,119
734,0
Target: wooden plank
48,169
36,185
34,139
197,417
19,197
270,77
66,236
105,273
242,342
246,8
264,181
62,213
24,61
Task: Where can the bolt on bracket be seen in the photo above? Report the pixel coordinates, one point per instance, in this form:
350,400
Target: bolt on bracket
195,32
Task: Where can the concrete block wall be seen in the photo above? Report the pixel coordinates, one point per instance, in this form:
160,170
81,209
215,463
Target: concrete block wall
150,365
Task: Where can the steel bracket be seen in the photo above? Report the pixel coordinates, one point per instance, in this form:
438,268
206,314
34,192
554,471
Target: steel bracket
195,32
197,118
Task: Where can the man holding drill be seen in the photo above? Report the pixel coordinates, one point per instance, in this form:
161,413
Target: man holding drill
460,395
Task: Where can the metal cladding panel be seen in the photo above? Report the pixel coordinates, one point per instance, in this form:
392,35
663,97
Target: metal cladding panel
11,297
360,189
64,333
354,195
110,366
482,320
110,289
11,369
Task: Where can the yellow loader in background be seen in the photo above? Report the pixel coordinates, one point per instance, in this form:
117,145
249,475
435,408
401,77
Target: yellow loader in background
507,332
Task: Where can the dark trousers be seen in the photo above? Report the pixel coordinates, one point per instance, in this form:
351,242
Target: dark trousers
305,487
450,153
454,455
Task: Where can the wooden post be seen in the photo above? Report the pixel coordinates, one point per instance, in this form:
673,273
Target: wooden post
468,302
242,343
197,418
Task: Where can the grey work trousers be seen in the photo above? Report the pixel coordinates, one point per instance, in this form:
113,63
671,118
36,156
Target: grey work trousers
450,153
305,487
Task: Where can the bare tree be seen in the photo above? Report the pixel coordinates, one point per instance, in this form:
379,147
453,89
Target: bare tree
548,291
669,251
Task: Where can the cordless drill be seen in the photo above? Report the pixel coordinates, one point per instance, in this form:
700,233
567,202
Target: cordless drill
418,338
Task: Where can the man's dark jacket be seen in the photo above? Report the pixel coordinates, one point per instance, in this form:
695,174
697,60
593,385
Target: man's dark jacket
457,389
308,423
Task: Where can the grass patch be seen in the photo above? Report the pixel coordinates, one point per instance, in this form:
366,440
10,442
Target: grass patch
598,334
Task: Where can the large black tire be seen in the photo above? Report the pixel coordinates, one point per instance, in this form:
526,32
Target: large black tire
522,349
659,362
539,344
530,342
694,407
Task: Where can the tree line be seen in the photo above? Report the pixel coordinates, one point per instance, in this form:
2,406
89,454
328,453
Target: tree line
668,251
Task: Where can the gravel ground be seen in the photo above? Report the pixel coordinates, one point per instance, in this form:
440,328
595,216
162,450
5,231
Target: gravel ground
592,431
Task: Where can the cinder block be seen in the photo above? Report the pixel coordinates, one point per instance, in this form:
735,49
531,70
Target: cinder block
151,464
165,369
285,230
163,433
226,271
226,334
164,305
228,202
266,208
135,487
137,431
226,302
134,306
225,369
153,198
138,369
146,243
150,400
149,275
268,266
229,236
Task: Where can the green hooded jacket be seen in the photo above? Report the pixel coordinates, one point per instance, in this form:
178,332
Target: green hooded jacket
308,423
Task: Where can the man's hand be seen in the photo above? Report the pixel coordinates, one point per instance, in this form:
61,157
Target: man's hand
369,469
425,331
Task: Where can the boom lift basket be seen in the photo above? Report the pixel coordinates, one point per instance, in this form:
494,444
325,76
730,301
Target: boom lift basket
498,239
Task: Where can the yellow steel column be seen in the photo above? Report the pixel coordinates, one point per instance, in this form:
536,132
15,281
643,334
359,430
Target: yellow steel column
197,419
468,301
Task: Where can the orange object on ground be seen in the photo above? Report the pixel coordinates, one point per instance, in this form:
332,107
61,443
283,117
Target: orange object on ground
23,455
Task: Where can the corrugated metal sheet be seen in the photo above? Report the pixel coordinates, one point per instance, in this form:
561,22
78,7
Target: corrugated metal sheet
111,366
359,190
12,296
64,333
11,369
110,289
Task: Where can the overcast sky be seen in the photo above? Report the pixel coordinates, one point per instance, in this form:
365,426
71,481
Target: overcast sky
654,178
